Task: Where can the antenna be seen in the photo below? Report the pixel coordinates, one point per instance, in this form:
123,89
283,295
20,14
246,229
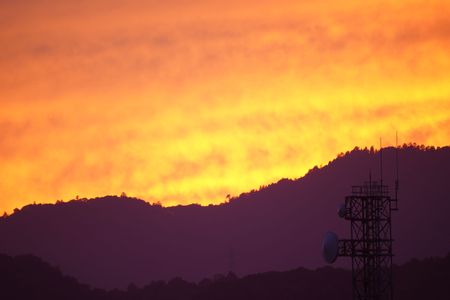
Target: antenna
396,165
381,164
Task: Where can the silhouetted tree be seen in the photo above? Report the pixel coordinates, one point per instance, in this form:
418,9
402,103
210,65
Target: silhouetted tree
28,277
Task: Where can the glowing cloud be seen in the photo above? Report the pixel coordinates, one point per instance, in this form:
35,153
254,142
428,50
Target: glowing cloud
179,102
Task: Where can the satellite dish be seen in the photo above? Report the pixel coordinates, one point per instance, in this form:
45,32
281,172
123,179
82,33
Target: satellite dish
341,210
330,247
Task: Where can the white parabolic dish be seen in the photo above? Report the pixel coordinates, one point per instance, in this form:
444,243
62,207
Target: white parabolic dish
330,247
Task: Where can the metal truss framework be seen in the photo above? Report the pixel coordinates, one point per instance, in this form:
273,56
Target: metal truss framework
369,209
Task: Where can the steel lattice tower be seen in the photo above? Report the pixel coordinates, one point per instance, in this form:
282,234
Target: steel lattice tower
368,209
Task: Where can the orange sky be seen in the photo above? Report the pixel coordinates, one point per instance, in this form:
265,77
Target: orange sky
187,101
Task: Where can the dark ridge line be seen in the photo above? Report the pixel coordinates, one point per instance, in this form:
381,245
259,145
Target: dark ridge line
123,196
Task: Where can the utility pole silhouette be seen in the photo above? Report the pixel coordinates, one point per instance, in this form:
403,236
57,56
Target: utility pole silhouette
231,261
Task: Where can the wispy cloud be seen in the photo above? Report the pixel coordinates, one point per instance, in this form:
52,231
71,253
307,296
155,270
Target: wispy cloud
185,102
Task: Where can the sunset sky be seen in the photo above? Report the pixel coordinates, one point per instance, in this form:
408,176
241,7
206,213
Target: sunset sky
187,101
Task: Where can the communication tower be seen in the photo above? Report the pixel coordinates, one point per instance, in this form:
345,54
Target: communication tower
368,208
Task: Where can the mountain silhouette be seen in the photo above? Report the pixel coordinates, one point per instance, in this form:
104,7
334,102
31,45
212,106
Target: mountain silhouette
111,241
28,277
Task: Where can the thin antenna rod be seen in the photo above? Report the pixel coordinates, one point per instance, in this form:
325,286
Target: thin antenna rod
396,164
381,164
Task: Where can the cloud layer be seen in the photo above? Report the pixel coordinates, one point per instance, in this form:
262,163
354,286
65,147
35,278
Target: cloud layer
180,102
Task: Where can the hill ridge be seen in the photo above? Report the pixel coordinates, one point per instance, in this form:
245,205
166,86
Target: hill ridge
314,169
31,277
280,227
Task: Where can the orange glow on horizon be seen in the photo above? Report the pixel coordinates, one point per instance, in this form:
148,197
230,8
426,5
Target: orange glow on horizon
183,103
